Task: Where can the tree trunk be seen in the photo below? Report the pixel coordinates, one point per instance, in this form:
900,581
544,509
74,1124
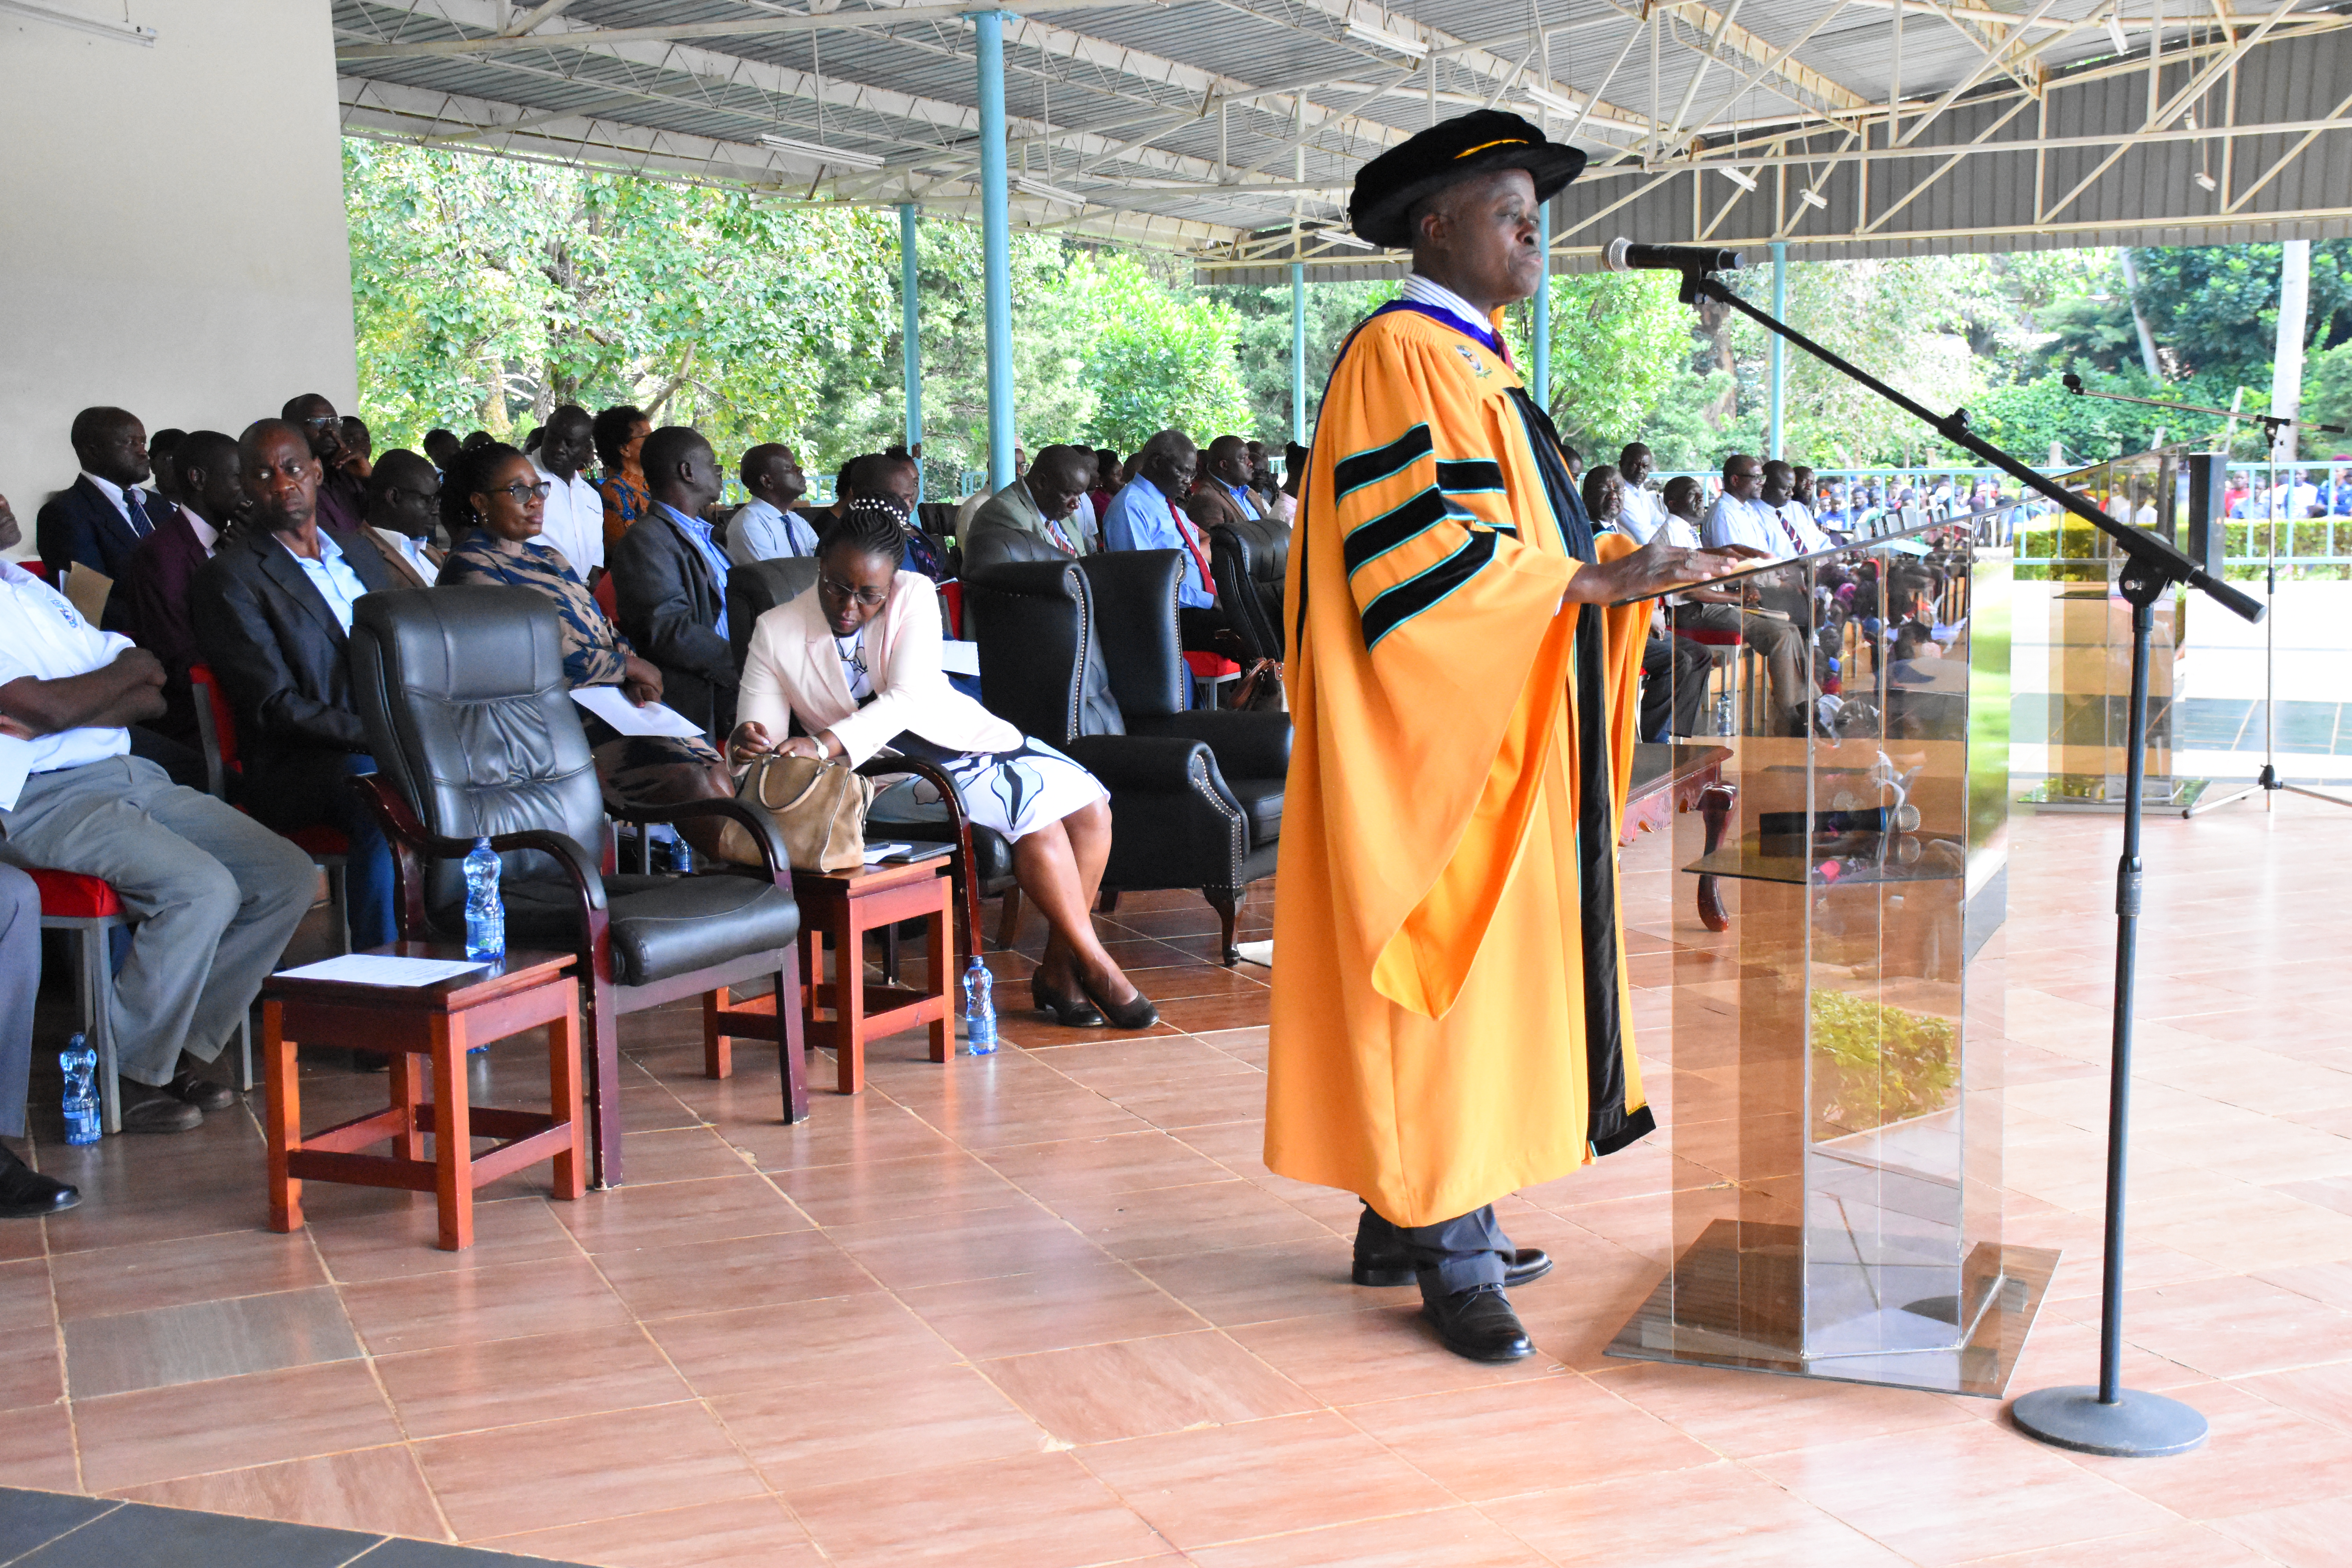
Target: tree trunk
494,399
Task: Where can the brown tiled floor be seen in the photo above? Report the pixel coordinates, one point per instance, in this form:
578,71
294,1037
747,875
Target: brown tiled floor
1049,1309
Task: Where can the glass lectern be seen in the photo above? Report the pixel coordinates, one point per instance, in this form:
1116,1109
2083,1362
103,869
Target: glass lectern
1837,1042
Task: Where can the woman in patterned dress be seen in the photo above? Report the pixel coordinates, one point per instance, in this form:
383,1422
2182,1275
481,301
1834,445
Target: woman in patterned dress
857,662
492,504
618,433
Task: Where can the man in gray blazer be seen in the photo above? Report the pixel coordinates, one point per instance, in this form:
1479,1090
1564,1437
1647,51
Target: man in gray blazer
1034,518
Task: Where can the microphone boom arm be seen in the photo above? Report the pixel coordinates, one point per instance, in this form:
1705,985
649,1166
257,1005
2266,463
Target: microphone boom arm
2153,556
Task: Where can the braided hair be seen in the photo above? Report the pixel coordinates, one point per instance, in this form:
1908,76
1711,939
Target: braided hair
873,525
470,471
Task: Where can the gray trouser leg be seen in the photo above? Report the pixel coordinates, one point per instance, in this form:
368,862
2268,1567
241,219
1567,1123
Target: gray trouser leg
20,977
1467,1250
214,894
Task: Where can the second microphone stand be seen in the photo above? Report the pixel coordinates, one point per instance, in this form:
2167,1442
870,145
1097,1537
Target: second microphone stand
2107,1418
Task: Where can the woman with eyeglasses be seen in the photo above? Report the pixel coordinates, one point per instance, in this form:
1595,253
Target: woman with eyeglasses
856,663
492,505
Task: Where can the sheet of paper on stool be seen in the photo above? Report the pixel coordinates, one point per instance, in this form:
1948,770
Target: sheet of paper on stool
383,969
607,703
880,851
960,658
1256,952
87,588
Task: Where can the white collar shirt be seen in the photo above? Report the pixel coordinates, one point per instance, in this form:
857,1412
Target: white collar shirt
573,520
1801,522
758,532
44,638
1731,520
113,492
1423,291
1641,514
206,534
332,576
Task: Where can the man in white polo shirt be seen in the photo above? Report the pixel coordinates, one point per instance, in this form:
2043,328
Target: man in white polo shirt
216,894
574,520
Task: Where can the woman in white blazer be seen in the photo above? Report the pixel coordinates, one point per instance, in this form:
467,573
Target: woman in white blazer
857,662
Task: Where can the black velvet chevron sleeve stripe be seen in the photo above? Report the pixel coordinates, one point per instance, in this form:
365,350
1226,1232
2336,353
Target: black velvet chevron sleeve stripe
1469,477
1426,589
1357,470
1370,540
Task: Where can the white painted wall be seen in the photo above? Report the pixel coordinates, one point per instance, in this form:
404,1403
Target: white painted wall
171,234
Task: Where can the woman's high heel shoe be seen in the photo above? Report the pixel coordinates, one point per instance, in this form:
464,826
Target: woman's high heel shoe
1139,1013
1070,1012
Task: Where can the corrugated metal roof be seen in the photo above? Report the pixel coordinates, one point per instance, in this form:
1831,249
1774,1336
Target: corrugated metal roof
1161,116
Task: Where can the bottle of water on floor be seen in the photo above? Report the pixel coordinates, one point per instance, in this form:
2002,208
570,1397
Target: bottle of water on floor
486,914
79,1064
979,1009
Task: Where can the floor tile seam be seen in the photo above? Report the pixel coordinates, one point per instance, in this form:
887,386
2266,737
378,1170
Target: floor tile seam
1747,1467
489,1543
117,1504
119,1493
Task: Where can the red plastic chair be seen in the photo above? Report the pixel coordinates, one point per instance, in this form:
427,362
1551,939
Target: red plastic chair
1209,673
330,847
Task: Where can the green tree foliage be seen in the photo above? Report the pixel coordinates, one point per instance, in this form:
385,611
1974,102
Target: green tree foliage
1263,319
2327,400
1620,344
2216,308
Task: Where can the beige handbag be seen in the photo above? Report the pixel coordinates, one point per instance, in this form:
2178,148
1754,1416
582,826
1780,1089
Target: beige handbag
818,807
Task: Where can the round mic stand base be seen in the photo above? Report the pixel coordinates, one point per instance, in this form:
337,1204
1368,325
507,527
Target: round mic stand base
2136,1426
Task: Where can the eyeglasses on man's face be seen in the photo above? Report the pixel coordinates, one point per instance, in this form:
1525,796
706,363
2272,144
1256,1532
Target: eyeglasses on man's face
835,588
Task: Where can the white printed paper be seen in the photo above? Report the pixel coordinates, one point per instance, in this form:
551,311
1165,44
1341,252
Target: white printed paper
960,658
608,703
381,969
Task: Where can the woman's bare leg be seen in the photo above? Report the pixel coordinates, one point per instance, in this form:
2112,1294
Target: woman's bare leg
1053,877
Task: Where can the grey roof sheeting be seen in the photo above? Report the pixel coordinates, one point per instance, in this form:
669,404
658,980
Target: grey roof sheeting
1231,128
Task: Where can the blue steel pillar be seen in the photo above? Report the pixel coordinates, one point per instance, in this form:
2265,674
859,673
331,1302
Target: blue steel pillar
910,337
1542,357
1298,353
1780,313
996,246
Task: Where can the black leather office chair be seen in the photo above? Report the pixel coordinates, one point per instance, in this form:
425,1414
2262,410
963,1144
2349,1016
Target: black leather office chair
1249,559
473,733
1085,656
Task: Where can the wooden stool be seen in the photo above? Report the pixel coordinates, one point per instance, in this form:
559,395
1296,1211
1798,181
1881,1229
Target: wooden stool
843,907
438,1022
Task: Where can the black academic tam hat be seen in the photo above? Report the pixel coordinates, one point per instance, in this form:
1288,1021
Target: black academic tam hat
1479,143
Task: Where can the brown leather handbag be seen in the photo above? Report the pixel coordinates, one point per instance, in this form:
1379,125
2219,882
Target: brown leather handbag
818,807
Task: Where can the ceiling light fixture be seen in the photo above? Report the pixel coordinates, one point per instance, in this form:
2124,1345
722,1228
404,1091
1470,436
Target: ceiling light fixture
1741,177
1551,101
2116,30
1387,40
824,155
1813,199
1050,193
2206,181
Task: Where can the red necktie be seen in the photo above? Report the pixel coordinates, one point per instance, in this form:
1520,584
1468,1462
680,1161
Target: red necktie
1184,532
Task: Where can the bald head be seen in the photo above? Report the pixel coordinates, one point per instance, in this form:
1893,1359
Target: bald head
1229,460
280,474
212,482
680,469
1059,477
1169,461
771,472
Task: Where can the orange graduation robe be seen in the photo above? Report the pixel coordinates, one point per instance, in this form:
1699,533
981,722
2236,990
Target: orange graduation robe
1450,1005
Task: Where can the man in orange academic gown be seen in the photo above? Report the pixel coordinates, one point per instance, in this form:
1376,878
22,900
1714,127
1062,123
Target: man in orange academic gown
1449,1008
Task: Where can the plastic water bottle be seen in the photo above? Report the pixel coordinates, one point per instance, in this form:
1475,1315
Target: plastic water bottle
979,1009
681,856
79,1064
486,914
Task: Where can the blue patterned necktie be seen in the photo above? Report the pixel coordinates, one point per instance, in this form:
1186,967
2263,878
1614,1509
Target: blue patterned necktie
139,523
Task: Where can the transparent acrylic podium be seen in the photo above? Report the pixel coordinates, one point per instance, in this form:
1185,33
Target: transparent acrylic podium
1837,1045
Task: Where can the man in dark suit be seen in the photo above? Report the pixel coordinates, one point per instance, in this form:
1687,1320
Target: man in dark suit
669,580
155,585
342,488
404,499
272,613
101,519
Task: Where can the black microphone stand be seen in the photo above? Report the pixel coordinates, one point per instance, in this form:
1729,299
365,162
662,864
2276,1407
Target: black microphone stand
2267,782
2107,1418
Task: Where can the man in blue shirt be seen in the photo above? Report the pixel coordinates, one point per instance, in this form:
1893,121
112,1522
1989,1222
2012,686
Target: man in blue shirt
767,527
1147,514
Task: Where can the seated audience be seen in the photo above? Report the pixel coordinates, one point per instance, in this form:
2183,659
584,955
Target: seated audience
1146,515
99,519
892,477
766,527
979,498
1737,517
1105,488
156,586
669,580
619,434
1226,481
342,492
575,513
440,448
165,482
272,613
856,663
1793,523
24,1193
404,501
360,447
220,893
504,545
1034,514
1740,609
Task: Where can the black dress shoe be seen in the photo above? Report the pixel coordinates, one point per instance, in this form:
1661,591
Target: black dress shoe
1529,1263
25,1193
1070,1012
191,1087
1138,1014
161,1113
1478,1323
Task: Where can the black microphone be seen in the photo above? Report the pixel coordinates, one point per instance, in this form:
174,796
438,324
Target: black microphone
1625,256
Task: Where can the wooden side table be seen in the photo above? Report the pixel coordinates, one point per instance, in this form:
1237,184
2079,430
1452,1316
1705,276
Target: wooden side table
438,1022
843,908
